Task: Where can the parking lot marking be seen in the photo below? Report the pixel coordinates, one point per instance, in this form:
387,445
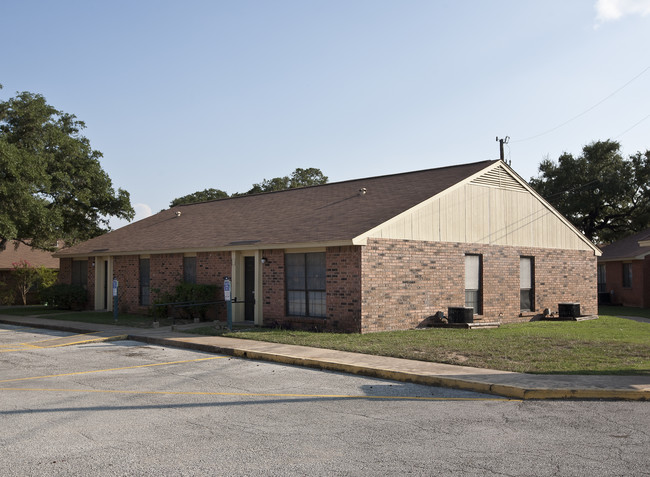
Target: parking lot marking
105,338
33,346
18,344
53,338
25,347
44,340
279,395
112,369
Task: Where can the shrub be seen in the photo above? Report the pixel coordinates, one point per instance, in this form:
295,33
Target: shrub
7,294
46,277
65,297
187,293
26,282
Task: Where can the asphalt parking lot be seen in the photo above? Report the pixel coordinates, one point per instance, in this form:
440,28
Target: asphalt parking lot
70,406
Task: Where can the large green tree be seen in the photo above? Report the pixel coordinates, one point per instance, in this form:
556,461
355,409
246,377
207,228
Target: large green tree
200,196
299,178
605,195
52,185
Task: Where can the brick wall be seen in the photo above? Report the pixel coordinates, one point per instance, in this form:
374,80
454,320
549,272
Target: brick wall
127,271
386,285
637,294
273,285
405,282
65,276
166,271
343,286
211,267
65,270
91,284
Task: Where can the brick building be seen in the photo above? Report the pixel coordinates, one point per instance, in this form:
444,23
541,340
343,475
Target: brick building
380,253
624,271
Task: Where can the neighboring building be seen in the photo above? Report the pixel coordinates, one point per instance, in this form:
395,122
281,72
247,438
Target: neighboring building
14,253
624,271
380,253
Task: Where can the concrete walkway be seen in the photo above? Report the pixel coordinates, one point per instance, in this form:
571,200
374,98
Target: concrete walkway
502,383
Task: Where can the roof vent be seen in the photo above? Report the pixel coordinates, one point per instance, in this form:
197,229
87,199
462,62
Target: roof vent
363,191
178,213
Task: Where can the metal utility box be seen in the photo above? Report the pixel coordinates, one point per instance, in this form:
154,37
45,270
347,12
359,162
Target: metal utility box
568,310
460,314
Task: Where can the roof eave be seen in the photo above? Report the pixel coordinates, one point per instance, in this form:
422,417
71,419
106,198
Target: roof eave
228,248
641,256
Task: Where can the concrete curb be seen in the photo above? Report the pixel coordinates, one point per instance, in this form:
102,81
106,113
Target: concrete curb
510,391
476,385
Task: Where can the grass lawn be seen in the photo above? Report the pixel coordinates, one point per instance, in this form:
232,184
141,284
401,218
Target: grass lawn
624,311
608,345
28,310
100,317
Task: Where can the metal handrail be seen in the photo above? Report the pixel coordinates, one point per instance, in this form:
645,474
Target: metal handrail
186,304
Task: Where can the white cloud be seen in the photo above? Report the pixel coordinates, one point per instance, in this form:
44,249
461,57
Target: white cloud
609,10
142,211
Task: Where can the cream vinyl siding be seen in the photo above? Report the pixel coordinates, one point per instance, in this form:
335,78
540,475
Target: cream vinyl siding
494,209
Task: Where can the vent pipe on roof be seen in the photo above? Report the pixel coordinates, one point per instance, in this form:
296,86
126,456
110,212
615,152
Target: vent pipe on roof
363,191
501,142
178,213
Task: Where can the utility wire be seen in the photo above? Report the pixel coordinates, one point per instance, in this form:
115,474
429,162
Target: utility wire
587,110
633,126
573,189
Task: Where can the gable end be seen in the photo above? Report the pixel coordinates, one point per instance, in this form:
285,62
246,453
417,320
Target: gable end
498,178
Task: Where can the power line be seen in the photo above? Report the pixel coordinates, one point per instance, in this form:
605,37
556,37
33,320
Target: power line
573,189
586,111
633,126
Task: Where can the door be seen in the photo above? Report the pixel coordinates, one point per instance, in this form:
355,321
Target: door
249,288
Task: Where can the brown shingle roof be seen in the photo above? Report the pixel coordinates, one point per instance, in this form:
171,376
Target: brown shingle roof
37,258
327,213
627,248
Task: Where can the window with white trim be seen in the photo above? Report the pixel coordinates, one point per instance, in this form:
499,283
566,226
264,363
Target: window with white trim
526,284
474,283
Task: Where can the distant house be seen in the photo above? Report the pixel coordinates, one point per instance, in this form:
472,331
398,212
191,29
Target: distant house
624,271
15,252
381,253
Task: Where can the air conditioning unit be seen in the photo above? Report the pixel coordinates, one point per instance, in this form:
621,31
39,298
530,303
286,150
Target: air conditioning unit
568,310
460,314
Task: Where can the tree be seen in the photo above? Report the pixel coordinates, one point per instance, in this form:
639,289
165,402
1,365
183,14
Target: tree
52,185
606,196
25,278
270,185
201,196
299,178
307,177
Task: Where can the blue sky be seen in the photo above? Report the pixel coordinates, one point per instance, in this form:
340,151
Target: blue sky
184,96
